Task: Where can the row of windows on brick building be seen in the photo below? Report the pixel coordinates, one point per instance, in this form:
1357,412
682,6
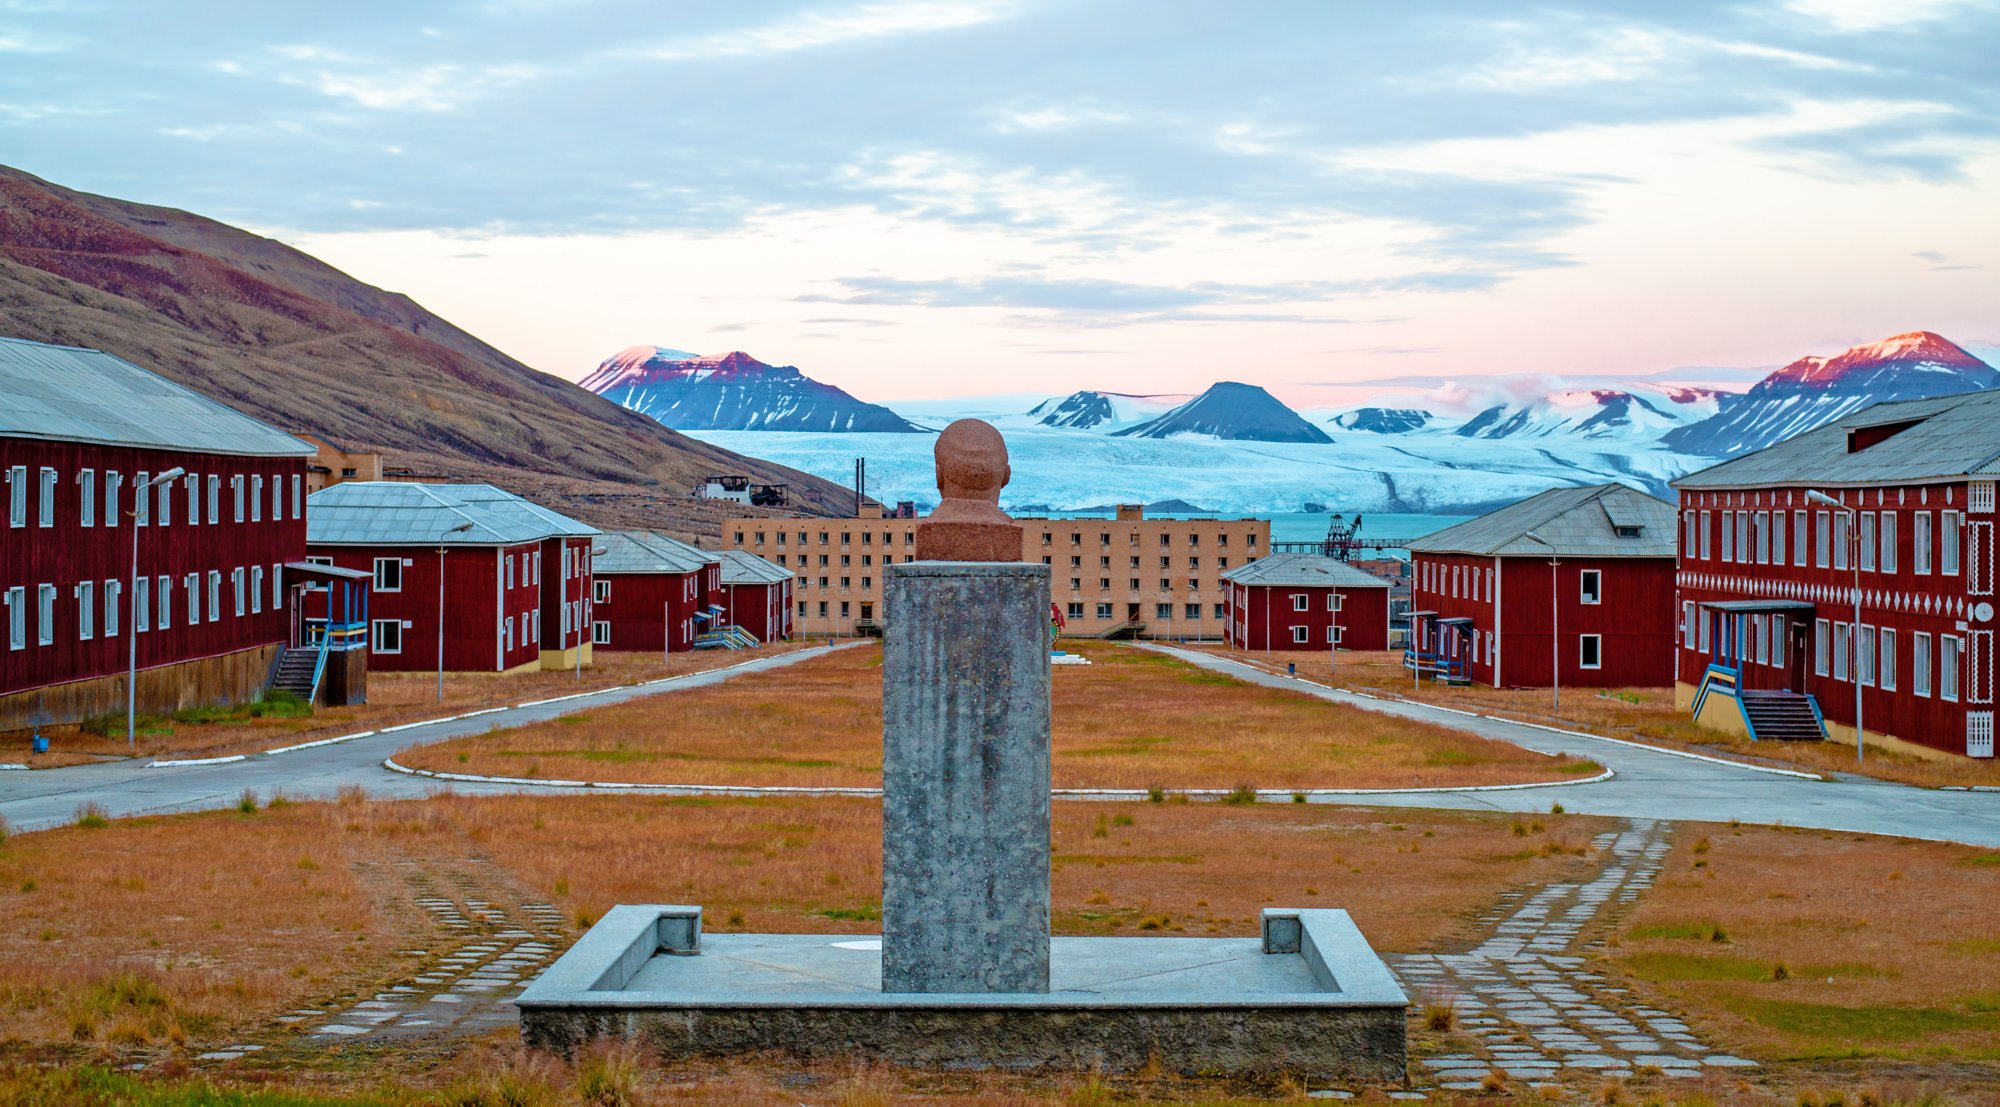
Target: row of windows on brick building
247,497
247,586
1758,538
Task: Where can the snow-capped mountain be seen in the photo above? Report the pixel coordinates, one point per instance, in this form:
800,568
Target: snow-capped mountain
1814,391
732,392
1594,413
1383,420
1092,410
1232,412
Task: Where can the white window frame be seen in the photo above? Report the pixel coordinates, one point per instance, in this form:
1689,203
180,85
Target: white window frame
1780,629
1920,664
277,498
193,584
1864,654
1843,641
1886,533
256,497
236,492
17,495
1801,538
163,609
193,484
214,595
1822,539
600,632
375,628
256,589
1590,586
1780,520
17,617
47,496
298,496
1687,624
1336,601
236,586
1729,537
112,483
142,507
1707,535
1822,634
1949,652
397,563
214,498
45,615
1301,601
1841,526
1950,530
164,514
86,610
277,586
1334,634
1585,645
86,497
142,604
1867,545
1885,659
1301,635
601,590
113,595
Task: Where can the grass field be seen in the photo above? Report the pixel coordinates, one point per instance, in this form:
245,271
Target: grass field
1641,714
392,698
1131,719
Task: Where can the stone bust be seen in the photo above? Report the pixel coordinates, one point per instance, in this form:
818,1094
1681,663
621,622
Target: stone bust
968,524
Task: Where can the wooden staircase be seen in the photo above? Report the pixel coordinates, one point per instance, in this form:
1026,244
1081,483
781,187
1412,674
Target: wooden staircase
298,667
1781,716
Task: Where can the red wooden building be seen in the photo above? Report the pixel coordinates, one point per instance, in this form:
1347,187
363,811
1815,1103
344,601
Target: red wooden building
84,437
1297,601
1768,578
493,581
757,596
1574,583
652,592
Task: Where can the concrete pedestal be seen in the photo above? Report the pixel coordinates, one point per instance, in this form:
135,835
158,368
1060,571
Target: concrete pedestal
965,778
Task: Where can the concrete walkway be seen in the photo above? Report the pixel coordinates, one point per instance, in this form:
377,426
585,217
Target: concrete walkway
1658,784
1649,783
50,797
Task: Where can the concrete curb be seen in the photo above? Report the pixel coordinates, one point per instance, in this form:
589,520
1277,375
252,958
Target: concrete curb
1276,795
185,762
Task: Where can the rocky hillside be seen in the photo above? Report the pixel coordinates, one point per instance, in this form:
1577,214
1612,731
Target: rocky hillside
732,392
1814,391
299,344
1234,412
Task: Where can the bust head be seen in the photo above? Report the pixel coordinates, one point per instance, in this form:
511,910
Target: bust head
972,462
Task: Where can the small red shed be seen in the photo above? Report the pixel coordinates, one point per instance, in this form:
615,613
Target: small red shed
1299,601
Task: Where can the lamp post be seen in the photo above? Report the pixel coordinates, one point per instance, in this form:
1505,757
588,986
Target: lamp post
1854,628
581,606
1555,625
459,529
139,494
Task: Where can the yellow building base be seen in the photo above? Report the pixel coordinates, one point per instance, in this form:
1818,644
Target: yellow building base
1722,713
553,660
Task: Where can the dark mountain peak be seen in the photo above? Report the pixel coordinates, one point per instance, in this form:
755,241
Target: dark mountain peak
1383,420
1080,410
1232,410
732,391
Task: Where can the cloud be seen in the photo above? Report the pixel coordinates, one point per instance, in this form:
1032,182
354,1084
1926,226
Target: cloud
810,30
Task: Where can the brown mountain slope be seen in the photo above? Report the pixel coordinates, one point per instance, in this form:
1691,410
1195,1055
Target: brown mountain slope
297,343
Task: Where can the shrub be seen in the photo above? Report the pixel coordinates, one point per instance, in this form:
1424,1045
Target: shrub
92,816
1241,794
1156,794
608,1080
1440,1016
247,802
1555,809
1298,797
350,794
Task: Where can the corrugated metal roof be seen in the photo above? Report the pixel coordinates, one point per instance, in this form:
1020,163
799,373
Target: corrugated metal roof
1577,522
1954,436
70,394
746,568
643,551
1303,570
395,513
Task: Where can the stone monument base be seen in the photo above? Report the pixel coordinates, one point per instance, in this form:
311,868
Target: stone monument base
1310,1000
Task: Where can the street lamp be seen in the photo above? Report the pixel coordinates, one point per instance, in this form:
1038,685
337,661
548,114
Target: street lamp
1854,628
139,494
1555,625
459,529
582,605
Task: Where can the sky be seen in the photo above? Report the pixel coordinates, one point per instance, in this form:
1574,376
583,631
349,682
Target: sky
967,197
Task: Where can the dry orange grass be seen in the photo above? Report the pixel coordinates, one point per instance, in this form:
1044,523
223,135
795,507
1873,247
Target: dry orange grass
1131,719
1640,714
1799,943
392,698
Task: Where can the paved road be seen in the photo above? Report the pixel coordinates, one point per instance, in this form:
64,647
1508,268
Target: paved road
1653,784
1650,784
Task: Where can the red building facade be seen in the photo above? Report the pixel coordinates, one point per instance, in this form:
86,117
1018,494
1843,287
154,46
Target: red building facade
502,583
208,606
653,593
757,596
1487,606
1296,601
1767,578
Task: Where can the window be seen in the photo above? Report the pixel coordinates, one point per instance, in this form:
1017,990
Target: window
166,511
214,498
193,484
385,636
277,587
194,598
236,583
802,603
1334,635
1104,611
1823,538
1590,651
1764,537
1299,634
142,511
1075,611
600,590
48,497
1843,640
1947,665
1885,658
1920,543
1729,536
1703,630
163,615
1193,611
111,608
1799,542
1840,529
45,628
1760,647
214,595
388,574
1335,601
1947,551
86,610
86,497
1864,656
257,499
112,481
507,633
1299,601
1778,524
1687,624
256,589
17,496
142,604
1779,629
1743,536
1593,586
600,633
1689,549
1867,550
1163,611
1222,611
17,618
298,496
1920,663
277,498
236,490
1707,536
1819,647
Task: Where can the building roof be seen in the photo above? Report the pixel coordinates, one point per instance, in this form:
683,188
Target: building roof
398,513
747,568
1307,570
643,551
71,394
1949,436
1577,522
